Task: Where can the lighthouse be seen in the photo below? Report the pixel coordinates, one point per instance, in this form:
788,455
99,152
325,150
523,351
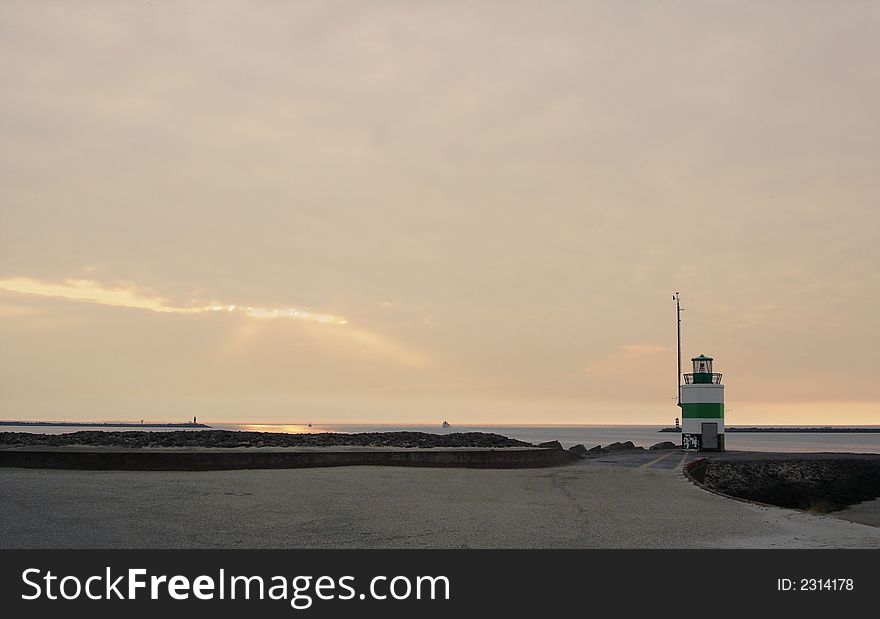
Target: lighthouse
702,407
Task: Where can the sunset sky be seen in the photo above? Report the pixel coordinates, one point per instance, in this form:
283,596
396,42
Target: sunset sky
413,211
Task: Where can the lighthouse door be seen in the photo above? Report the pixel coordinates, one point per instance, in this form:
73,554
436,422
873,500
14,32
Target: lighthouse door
710,435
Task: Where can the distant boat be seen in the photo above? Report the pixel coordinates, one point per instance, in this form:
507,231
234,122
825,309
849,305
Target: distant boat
446,424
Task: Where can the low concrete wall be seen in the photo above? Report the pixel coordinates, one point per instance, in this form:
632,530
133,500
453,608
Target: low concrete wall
696,470
136,460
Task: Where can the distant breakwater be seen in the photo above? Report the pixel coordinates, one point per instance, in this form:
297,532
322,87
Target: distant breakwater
103,424
792,430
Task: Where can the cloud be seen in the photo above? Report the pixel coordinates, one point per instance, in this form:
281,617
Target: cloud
90,291
342,337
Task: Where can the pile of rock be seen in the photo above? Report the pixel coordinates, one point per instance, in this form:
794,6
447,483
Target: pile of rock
816,482
664,445
582,452
228,438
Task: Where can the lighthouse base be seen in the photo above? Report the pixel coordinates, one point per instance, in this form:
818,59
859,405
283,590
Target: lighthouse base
694,442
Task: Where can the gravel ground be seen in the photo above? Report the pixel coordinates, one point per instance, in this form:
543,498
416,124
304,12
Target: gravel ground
587,505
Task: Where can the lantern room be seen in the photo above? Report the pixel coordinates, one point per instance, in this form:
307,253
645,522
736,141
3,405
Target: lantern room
702,374
702,364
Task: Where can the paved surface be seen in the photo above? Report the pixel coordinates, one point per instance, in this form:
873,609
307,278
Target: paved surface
866,513
662,460
637,500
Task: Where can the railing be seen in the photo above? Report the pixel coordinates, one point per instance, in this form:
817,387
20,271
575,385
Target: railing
706,378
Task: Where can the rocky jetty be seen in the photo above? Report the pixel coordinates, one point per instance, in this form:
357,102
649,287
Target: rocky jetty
815,482
238,439
579,450
550,445
664,445
228,438
627,446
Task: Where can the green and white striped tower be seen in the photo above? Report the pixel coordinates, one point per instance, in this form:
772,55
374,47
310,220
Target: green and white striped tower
702,408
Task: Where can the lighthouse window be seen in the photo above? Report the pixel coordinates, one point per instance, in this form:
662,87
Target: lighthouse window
703,366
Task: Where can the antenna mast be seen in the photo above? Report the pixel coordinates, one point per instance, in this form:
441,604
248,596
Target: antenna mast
676,298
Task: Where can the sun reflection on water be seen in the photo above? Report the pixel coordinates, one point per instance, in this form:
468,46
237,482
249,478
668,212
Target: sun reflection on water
286,428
